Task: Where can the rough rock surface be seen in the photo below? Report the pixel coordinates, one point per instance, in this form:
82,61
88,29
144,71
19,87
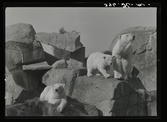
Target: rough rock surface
60,64
12,90
20,32
18,53
144,54
21,49
16,94
62,46
67,41
66,76
113,97
74,64
34,107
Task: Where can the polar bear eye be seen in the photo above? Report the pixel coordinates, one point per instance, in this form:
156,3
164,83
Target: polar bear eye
56,90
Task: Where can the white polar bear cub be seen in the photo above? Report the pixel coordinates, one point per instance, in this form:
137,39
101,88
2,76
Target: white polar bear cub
98,61
123,52
55,94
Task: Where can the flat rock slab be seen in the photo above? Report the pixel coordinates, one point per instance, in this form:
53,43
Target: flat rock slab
67,41
37,66
35,107
111,95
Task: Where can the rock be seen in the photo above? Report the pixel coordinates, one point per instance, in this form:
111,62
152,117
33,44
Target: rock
8,98
152,105
62,46
26,95
18,53
20,32
111,95
67,41
34,107
144,54
66,76
16,94
22,49
60,64
28,80
37,66
74,64
12,90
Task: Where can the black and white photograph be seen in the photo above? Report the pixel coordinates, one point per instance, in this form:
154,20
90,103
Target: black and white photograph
76,61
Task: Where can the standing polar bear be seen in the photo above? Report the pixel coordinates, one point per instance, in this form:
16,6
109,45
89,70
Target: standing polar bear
123,52
98,61
55,94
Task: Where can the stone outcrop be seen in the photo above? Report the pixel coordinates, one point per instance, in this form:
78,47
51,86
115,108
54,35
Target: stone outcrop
20,32
66,76
144,54
34,107
16,94
30,67
21,49
62,46
113,97
60,64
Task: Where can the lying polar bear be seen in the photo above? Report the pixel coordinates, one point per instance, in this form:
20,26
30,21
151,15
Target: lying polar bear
123,52
55,94
98,61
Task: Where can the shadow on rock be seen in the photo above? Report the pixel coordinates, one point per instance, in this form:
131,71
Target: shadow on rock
130,99
34,107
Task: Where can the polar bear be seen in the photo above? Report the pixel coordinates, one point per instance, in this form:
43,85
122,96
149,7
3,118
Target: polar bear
55,94
98,61
123,52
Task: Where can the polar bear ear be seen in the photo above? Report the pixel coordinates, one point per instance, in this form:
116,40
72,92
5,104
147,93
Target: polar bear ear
63,85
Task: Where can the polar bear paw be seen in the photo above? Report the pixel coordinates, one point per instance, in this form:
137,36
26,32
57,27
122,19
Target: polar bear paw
107,76
59,108
89,74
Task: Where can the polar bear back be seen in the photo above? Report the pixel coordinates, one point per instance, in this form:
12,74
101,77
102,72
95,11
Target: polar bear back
95,59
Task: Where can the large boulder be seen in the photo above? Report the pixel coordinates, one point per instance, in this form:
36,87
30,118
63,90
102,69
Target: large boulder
113,97
62,46
21,49
67,41
144,54
12,90
60,64
18,53
67,76
20,32
34,107
16,94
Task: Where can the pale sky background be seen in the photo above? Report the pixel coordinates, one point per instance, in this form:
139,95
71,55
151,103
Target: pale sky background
97,26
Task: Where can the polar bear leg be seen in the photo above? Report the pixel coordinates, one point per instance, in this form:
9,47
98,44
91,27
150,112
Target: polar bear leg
117,75
125,68
98,74
117,66
103,72
89,71
62,105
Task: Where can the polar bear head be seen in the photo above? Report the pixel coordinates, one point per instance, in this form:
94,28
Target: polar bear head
58,88
126,38
108,59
